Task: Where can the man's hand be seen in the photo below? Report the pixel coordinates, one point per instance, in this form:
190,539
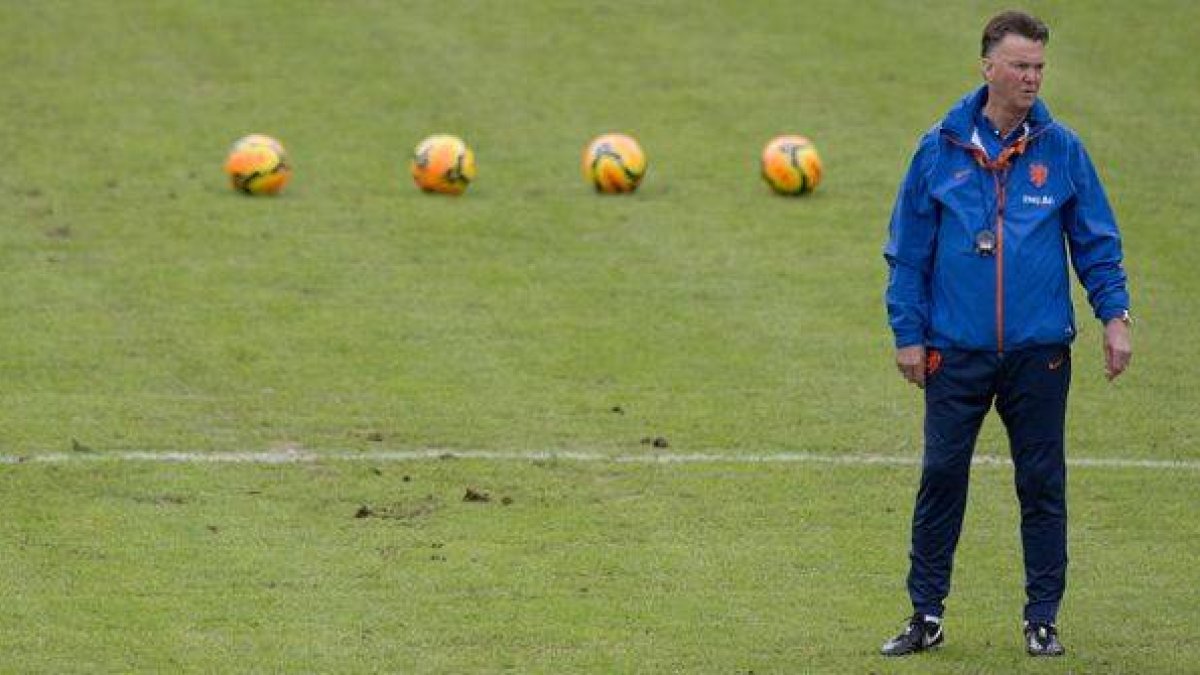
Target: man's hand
911,362
1117,348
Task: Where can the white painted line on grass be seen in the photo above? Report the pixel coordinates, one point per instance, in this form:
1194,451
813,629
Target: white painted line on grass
308,457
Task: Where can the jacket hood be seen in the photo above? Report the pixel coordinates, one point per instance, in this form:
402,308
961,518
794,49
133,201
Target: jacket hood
960,120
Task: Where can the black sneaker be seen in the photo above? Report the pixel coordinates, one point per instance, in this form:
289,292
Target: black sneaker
920,634
1041,639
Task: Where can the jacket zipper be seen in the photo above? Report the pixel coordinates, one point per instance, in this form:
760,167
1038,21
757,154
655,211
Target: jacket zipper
1001,193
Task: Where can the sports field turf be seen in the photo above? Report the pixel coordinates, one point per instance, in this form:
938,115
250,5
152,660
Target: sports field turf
147,307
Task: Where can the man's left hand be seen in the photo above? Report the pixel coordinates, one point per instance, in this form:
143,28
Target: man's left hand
1117,348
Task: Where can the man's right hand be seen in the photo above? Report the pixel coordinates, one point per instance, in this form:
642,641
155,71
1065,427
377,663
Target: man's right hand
911,363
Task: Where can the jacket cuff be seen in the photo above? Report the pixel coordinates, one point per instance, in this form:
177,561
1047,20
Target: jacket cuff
1107,314
909,340
1105,318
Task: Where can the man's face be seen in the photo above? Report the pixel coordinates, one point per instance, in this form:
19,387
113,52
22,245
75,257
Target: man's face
1013,72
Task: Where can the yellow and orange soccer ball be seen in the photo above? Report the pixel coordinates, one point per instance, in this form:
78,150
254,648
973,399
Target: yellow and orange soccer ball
614,163
791,165
443,163
258,165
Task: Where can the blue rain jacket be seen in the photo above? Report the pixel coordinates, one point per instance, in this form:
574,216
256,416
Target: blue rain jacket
1044,205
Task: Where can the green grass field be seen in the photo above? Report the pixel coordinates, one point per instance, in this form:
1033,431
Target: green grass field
147,307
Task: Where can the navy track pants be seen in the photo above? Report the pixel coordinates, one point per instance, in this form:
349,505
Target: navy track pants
1029,387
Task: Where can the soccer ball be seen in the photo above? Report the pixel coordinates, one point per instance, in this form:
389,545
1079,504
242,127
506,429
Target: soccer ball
614,163
791,165
258,165
443,163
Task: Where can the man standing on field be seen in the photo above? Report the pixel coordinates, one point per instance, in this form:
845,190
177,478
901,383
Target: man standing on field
996,200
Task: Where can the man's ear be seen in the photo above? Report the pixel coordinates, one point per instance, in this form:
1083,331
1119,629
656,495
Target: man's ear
985,68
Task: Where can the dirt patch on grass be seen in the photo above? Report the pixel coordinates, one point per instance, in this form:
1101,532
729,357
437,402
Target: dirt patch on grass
474,495
405,511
